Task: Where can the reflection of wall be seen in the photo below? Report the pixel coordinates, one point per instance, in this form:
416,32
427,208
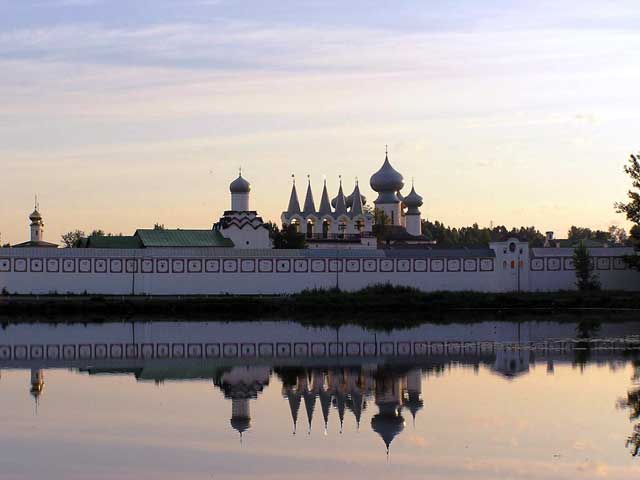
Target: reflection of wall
154,349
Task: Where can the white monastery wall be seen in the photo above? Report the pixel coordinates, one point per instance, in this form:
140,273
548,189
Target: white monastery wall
219,271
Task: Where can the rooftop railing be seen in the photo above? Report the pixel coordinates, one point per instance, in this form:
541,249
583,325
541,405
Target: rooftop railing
338,237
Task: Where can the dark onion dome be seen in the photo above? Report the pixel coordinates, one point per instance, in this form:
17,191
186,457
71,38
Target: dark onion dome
35,216
240,185
349,200
387,179
388,426
413,199
240,424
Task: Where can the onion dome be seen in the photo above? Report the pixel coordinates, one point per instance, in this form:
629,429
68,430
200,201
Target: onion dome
414,403
349,200
388,425
413,199
240,424
35,216
240,185
387,179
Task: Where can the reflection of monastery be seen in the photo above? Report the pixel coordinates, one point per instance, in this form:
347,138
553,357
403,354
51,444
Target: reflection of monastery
351,245
330,375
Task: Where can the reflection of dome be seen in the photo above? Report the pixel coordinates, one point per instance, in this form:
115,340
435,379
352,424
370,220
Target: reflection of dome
414,403
388,426
241,424
387,179
240,185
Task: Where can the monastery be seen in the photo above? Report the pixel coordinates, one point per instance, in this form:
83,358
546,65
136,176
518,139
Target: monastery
351,245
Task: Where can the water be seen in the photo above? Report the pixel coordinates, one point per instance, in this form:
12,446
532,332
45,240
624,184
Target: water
280,400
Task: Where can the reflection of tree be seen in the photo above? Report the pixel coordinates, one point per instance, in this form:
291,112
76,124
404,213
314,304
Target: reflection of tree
632,402
585,330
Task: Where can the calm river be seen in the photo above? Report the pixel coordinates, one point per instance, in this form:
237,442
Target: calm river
278,400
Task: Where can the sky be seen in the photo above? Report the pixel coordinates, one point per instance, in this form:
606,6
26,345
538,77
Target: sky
121,114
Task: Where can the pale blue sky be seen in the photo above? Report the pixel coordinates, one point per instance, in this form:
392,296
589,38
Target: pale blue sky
123,113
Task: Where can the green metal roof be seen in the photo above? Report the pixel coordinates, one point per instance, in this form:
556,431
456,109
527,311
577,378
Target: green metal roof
113,242
182,238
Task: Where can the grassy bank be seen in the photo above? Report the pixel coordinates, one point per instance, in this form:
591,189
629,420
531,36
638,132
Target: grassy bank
379,303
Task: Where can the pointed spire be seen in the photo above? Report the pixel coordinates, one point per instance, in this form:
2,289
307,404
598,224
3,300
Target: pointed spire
325,204
341,202
294,398
325,403
356,207
309,205
341,406
309,406
294,204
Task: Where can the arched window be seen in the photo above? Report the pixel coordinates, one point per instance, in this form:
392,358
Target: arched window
342,228
309,229
325,228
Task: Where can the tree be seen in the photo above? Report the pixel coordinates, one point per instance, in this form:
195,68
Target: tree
585,278
98,233
632,208
617,235
287,237
72,239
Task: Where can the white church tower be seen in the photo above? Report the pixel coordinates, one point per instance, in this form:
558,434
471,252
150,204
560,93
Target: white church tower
413,220
36,230
387,182
240,189
37,225
243,226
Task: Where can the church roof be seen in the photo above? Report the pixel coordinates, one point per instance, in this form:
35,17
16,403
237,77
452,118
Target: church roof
35,215
182,238
387,179
36,244
294,204
103,241
240,185
356,199
413,199
325,205
309,205
341,202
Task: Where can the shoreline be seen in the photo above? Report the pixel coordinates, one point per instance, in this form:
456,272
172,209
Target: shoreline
380,305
